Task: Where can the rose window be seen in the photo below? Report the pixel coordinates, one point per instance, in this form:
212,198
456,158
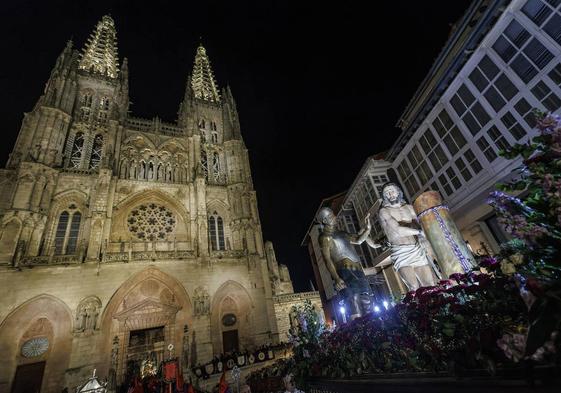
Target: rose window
151,222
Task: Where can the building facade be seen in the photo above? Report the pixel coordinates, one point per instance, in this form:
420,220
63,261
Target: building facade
121,235
502,60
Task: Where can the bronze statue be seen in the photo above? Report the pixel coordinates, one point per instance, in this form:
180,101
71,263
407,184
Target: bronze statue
343,262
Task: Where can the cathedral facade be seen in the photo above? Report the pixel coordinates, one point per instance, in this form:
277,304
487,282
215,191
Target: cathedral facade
120,235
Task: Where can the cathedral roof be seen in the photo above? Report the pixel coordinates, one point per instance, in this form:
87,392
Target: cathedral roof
202,80
99,54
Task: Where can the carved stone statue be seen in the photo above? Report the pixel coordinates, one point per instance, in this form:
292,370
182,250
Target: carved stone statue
343,262
409,248
87,314
201,300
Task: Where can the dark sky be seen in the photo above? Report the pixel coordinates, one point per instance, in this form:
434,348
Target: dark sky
319,88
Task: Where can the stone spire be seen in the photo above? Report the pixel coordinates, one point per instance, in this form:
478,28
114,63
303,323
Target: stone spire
99,55
202,81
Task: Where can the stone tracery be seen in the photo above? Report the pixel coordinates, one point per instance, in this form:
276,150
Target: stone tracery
151,222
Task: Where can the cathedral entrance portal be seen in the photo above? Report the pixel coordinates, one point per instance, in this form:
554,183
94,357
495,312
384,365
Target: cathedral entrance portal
144,345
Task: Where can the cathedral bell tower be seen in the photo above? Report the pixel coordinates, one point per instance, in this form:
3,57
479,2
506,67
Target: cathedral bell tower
211,119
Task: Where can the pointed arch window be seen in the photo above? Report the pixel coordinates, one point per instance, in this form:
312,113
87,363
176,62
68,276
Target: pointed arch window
66,235
216,232
97,149
214,137
77,150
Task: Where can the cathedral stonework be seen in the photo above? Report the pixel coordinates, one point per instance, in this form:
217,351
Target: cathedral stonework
121,235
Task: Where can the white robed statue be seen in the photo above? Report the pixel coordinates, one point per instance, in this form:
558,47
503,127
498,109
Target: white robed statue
410,251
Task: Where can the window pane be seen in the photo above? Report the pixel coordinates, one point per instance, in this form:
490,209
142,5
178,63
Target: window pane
445,119
494,98
462,168
553,28
516,33
504,49
541,90
61,232
488,67
525,110
471,124
473,161
444,183
538,53
480,114
477,78
440,130
486,149
537,11
523,68
506,87
440,154
220,229
508,120
450,145
555,74
458,137
466,95
458,105
552,102
73,234
212,232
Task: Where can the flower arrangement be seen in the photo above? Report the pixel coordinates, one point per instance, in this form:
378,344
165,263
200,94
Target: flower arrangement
534,220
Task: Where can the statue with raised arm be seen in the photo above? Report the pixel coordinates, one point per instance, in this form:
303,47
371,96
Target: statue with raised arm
343,262
410,252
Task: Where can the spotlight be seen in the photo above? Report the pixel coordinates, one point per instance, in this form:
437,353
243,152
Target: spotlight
342,310
376,309
386,304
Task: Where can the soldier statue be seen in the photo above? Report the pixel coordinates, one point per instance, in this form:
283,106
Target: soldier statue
343,262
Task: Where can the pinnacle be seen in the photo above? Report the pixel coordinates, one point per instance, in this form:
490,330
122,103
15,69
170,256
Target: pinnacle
99,54
202,81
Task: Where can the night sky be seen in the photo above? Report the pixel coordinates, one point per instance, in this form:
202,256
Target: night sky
319,88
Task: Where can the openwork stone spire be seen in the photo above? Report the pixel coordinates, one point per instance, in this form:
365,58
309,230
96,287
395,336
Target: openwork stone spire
100,52
203,83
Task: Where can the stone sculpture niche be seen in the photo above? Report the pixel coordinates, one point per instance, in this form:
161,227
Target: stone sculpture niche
87,314
201,301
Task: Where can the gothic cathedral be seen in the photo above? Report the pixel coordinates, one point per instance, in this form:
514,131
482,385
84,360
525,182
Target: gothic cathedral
121,235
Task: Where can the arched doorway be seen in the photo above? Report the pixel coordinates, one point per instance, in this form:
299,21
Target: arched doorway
147,313
231,318
36,345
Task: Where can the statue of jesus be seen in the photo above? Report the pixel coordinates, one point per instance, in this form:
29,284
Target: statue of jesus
409,248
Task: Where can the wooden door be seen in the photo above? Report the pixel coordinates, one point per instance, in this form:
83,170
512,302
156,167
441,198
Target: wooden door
28,378
230,341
